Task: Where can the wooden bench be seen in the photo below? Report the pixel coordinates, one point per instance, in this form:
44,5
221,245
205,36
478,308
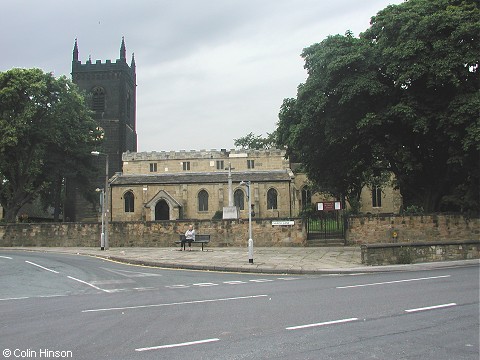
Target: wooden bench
199,239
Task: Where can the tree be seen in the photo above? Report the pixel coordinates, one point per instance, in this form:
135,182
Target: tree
257,142
401,98
47,134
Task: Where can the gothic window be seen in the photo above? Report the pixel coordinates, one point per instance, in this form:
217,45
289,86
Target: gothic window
220,165
239,199
129,200
153,167
98,99
272,199
250,164
376,196
202,201
186,165
306,197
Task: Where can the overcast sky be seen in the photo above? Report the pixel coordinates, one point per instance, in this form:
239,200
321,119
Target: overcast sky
208,71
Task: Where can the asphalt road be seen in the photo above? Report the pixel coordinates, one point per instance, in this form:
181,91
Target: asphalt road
77,307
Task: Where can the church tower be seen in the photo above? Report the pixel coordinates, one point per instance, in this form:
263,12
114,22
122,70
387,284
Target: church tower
111,93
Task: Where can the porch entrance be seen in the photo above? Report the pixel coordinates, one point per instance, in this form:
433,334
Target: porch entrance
162,210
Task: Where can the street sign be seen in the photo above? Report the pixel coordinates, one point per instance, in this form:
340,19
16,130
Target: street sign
283,222
329,206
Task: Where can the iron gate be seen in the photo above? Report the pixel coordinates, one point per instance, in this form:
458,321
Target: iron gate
326,225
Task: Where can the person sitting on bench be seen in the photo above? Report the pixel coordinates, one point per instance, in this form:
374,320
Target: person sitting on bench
189,237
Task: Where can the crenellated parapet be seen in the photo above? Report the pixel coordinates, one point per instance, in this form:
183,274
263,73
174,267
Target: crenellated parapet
202,154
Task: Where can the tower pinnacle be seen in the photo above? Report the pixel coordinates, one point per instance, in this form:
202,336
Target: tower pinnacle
123,50
75,51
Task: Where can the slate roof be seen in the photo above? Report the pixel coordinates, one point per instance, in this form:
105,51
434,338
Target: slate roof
202,178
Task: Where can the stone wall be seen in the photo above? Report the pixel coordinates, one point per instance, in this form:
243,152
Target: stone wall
361,230
413,252
406,229
151,233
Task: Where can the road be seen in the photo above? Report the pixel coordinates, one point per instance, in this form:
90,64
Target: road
78,307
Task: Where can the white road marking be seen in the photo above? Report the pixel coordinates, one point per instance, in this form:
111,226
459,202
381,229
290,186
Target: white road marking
287,278
260,280
144,288
176,303
86,283
393,282
109,282
321,324
15,298
177,286
31,297
205,284
178,345
5,257
41,267
131,274
235,282
431,307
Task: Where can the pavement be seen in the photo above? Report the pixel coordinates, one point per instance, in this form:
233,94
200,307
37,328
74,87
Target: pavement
269,260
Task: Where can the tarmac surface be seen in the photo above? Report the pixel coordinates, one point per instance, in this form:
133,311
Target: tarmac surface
272,260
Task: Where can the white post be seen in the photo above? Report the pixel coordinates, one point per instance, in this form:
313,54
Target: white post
105,210
102,236
250,240
106,202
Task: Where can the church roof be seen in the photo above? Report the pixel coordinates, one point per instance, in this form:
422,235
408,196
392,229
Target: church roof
202,178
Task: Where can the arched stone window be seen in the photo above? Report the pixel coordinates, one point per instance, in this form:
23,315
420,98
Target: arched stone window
306,197
98,99
203,200
272,199
239,199
129,200
376,196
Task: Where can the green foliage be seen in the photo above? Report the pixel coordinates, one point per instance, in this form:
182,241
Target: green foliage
403,98
48,135
413,210
256,142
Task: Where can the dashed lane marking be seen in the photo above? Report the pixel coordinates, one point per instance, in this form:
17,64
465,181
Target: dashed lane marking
205,284
431,307
321,324
393,282
198,342
176,303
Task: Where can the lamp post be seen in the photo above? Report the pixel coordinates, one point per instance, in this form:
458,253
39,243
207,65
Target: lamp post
250,239
102,202
105,206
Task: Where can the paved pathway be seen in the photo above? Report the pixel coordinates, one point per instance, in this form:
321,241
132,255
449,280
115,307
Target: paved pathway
279,260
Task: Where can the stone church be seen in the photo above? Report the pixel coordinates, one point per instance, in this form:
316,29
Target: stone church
175,185
194,185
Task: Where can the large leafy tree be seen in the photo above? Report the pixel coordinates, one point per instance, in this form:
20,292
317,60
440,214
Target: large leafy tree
402,98
47,133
